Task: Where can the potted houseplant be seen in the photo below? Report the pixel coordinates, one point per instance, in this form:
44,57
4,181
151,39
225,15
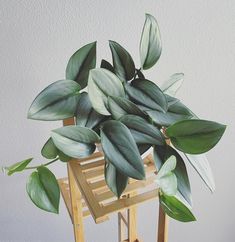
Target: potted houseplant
120,111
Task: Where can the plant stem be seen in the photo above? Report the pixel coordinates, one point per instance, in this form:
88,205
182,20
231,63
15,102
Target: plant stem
46,164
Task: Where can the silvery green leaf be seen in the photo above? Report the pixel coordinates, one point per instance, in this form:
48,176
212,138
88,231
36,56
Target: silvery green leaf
121,150
122,61
115,180
202,166
75,141
85,114
150,44
119,106
80,63
106,65
101,84
173,84
142,131
56,102
161,154
148,94
166,179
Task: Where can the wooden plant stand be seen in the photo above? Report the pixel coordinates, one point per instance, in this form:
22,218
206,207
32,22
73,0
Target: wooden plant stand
85,193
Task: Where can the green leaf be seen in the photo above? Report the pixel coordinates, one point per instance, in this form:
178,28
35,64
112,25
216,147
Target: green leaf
106,65
172,85
56,102
195,136
202,166
121,150
166,179
123,64
17,167
161,154
119,106
50,151
43,189
150,44
75,141
115,180
142,131
86,116
148,94
176,209
176,112
101,84
80,63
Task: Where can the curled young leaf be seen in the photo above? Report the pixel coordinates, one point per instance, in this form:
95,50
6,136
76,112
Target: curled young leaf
17,167
56,102
150,44
80,63
173,84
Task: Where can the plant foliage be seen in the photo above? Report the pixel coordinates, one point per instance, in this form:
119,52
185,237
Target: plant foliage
127,114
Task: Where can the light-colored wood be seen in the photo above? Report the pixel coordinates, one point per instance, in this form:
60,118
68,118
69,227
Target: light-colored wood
122,224
76,202
162,235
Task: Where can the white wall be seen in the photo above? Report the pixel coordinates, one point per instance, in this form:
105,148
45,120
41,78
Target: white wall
36,40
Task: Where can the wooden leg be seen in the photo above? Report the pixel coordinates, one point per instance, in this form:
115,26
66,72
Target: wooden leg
162,226
76,204
122,225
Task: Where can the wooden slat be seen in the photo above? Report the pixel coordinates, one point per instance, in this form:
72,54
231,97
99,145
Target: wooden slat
129,202
88,195
162,234
130,188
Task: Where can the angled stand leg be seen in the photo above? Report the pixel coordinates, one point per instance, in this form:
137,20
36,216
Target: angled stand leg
76,202
162,226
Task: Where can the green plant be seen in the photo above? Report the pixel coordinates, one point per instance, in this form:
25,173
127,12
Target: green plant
128,114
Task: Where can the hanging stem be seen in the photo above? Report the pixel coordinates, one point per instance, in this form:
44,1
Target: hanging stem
46,164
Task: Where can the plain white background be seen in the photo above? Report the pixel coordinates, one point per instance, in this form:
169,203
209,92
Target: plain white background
36,40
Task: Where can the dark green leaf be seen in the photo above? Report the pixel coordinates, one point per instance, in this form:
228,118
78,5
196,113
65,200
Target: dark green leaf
140,74
161,154
115,180
172,85
86,116
142,131
106,65
43,189
119,106
123,64
150,44
17,167
166,179
121,150
148,94
195,136
49,150
176,209
56,102
101,84
202,166
143,148
75,141
80,63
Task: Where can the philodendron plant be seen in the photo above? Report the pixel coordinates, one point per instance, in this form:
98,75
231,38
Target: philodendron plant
116,107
